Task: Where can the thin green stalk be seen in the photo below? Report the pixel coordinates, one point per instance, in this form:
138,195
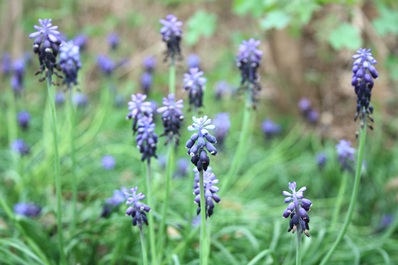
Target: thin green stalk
172,77
72,116
150,216
298,248
12,124
203,234
339,201
354,195
143,248
57,177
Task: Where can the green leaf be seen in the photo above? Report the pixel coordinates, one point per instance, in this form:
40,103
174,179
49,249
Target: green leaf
275,20
201,24
345,36
387,22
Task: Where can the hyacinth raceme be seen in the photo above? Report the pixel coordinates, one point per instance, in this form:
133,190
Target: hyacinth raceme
23,118
106,64
149,64
297,209
362,79
119,196
113,41
27,209
248,61
209,180
307,111
201,141
46,45
345,154
138,107
222,123
172,118
171,35
146,138
194,82
137,209
69,60
18,76
19,146
271,129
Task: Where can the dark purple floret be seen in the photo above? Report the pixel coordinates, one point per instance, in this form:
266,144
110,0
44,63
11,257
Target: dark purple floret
182,168
70,62
307,111
345,154
108,162
18,76
106,64
271,129
201,142
172,118
194,82
171,35
19,146
321,160
137,209
81,41
222,123
138,107
6,64
146,82
297,209
209,180
80,100
362,80
146,138
149,64
119,196
248,62
27,209
23,118
46,45
113,40
193,61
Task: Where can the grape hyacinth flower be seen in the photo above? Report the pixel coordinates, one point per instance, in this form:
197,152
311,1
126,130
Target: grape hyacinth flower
172,118
171,35
111,203
18,74
149,64
321,160
307,111
194,82
106,64
201,141
222,89
209,180
46,46
81,41
27,209
19,146
362,80
193,61
23,118
108,162
345,154
297,209
69,62
248,61
138,107
222,123
137,210
80,100
113,41
146,138
271,129
146,82
6,64
60,98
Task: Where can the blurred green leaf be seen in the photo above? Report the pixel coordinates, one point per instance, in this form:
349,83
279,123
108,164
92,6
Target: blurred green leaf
387,22
242,7
275,20
200,24
345,36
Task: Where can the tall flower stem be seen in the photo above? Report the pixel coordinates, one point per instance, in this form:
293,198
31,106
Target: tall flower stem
172,77
143,248
203,234
57,177
339,201
150,216
354,195
72,118
298,248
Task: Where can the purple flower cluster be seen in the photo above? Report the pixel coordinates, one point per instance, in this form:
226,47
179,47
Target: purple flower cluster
149,65
113,41
271,129
193,61
345,154
172,118
23,118
363,73
307,111
106,64
146,138
222,123
18,75
5,67
108,162
137,210
69,62
171,35
209,180
138,108
321,160
201,141
27,209
118,197
81,41
297,209
222,89
194,82
19,146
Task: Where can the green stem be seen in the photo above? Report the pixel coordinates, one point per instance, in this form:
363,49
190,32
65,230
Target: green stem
143,248
203,233
57,178
150,216
12,125
298,248
172,77
354,195
339,201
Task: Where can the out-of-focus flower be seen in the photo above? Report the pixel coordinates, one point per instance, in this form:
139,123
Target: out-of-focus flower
81,41
6,64
138,107
297,209
70,62
209,180
345,154
271,129
222,123
149,64
60,98
182,168
222,89
113,40
106,64
172,118
321,160
80,100
146,138
194,82
362,80
146,82
27,209
201,141
19,146
193,61
108,162
23,118
171,35
18,75
119,196
307,111
137,209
